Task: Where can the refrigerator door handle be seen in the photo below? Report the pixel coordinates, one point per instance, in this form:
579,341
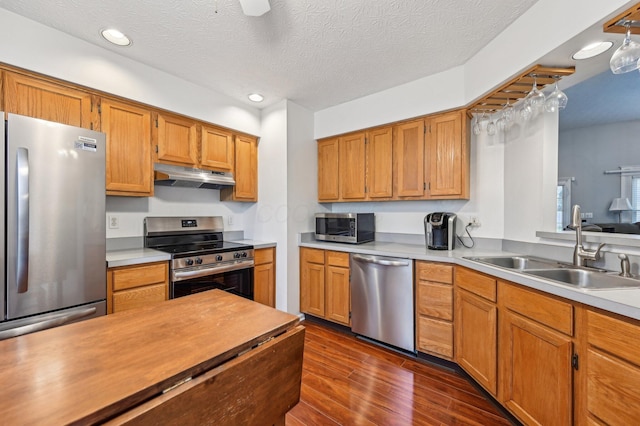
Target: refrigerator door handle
380,260
46,324
22,270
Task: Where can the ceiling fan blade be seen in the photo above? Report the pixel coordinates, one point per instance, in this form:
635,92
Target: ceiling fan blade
255,7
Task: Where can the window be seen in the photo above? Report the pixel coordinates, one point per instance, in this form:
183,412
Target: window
630,188
563,203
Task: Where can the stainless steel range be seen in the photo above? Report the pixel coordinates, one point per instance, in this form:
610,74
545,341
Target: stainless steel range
200,258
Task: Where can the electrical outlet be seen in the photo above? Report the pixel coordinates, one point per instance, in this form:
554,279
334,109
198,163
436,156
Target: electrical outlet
474,221
230,220
114,221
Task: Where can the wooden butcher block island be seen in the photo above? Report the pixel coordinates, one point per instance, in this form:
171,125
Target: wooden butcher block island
209,358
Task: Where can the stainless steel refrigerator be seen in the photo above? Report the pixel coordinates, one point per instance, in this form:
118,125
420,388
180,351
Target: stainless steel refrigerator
53,225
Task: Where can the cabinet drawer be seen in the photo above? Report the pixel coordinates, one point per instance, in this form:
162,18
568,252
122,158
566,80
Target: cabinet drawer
476,283
435,336
434,272
618,337
312,255
435,300
136,276
543,309
262,256
337,258
612,389
138,297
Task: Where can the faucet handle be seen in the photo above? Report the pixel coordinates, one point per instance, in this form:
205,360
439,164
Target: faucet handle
597,253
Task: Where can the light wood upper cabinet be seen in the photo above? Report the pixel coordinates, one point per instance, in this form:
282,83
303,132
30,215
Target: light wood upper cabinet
176,140
408,157
351,166
129,162
448,156
246,171
380,163
216,149
34,97
328,177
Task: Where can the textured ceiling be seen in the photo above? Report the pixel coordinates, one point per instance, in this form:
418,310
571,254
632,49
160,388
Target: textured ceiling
317,53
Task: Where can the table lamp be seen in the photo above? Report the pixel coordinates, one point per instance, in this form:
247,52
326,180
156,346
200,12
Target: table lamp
620,205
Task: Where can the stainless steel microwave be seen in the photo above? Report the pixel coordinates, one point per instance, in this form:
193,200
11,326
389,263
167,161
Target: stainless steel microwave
353,228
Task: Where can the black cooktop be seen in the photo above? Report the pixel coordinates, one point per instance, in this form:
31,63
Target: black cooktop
203,248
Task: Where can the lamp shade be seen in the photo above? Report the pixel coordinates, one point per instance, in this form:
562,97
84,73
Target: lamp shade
620,205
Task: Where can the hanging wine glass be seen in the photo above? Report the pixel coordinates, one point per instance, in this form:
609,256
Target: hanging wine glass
625,59
501,124
491,128
476,126
535,97
508,113
527,111
556,100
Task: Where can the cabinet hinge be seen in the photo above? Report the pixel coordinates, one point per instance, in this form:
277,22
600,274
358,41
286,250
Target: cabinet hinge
91,126
156,149
425,129
366,140
99,108
424,186
365,189
574,361
156,123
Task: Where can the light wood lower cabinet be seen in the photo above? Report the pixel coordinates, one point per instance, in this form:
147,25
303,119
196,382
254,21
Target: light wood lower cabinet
434,309
611,376
476,327
135,286
264,271
324,284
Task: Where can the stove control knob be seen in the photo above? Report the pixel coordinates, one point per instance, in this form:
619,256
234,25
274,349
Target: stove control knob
236,255
198,261
244,254
219,258
189,262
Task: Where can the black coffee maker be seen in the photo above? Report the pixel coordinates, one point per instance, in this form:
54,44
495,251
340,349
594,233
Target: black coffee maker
440,231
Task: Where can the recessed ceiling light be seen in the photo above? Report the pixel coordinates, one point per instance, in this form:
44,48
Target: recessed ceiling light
116,37
256,97
594,49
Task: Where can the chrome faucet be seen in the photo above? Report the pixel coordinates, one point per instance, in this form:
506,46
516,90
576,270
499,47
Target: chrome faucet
580,254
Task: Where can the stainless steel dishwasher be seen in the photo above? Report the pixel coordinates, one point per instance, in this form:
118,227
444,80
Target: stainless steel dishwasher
382,299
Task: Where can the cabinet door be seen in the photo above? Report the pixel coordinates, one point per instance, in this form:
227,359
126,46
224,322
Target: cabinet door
338,302
352,167
536,372
139,297
447,152
380,163
476,326
312,289
128,129
217,149
48,101
176,140
246,171
328,178
408,156
264,277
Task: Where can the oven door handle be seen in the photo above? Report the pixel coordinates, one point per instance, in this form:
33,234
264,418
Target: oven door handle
203,272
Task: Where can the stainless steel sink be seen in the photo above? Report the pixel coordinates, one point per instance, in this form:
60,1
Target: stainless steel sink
586,279
519,262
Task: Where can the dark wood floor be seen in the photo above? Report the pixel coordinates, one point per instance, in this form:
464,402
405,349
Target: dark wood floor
348,381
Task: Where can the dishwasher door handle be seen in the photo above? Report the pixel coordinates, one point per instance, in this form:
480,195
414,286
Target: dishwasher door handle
381,260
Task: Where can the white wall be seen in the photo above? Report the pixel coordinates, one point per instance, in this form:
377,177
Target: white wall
33,46
302,183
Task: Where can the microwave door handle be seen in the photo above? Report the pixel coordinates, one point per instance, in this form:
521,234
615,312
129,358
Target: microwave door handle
22,187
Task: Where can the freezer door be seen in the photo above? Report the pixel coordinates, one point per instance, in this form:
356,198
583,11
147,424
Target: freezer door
55,216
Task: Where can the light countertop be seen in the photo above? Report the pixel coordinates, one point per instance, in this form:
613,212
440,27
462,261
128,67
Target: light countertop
624,302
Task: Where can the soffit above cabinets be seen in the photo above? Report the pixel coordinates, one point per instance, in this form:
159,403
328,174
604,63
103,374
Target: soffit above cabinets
517,88
630,16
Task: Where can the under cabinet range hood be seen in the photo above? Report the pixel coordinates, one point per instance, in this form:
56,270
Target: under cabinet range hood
187,177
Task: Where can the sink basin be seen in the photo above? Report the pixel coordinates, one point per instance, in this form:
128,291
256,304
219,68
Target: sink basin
518,262
587,280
